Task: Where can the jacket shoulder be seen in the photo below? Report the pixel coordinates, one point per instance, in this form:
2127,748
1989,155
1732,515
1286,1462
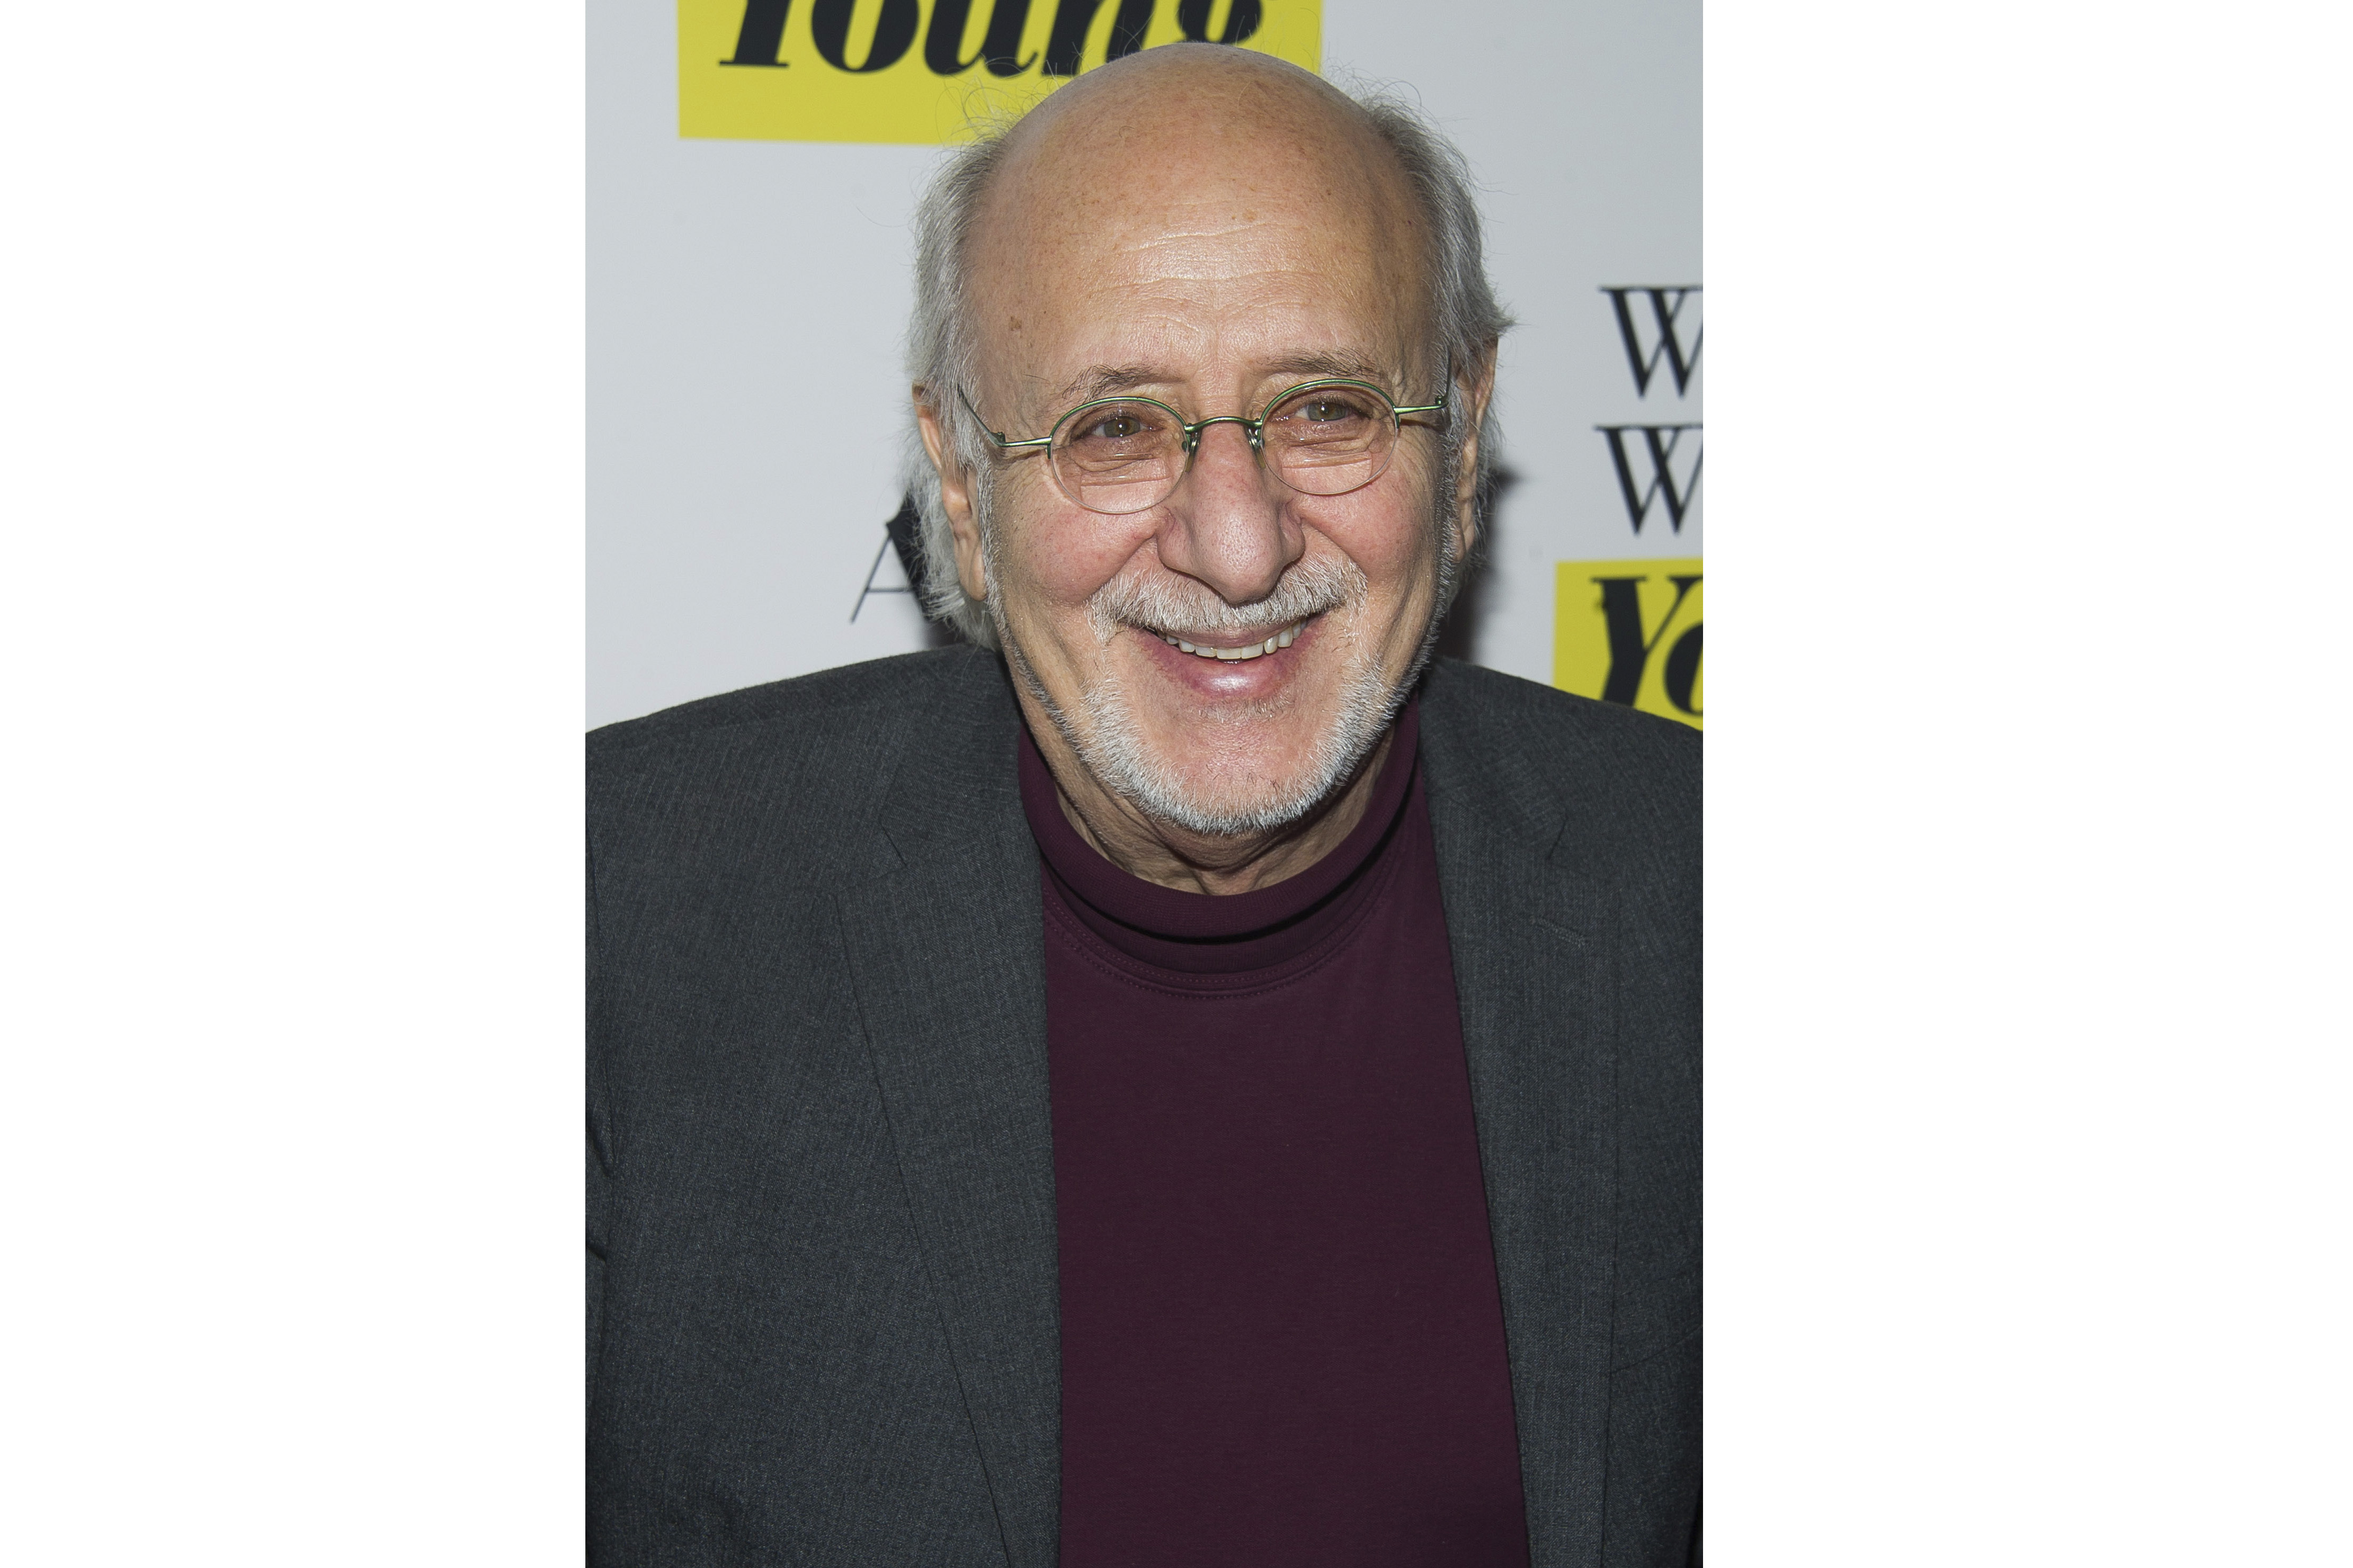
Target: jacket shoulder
1615,772
906,683
795,766
1506,711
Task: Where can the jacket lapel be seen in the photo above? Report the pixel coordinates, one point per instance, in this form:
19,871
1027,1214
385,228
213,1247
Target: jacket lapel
1533,973
946,949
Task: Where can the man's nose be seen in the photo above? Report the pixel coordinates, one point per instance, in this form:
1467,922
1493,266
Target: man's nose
1227,524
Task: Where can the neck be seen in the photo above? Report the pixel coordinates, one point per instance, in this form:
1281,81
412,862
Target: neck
1191,862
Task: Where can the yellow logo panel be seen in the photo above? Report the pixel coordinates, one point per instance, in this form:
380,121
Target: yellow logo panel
928,71
1628,631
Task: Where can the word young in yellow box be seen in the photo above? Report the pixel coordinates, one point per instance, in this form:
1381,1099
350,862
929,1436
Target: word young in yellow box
928,71
1628,631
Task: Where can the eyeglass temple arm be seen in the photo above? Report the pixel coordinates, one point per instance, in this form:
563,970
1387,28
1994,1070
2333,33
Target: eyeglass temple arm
1002,443
1445,394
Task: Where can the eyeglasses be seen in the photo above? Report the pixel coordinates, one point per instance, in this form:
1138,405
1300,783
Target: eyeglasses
1123,454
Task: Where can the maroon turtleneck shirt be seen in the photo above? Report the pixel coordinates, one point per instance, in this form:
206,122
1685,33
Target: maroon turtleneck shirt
1281,1339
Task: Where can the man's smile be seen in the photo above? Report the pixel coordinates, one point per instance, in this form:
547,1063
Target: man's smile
1228,647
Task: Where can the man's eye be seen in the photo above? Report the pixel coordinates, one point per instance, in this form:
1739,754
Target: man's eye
1115,426
1328,409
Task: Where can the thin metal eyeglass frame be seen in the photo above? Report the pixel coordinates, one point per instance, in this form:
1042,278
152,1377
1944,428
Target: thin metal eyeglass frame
1255,429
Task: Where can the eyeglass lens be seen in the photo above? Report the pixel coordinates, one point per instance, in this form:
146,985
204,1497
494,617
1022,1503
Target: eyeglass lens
1127,454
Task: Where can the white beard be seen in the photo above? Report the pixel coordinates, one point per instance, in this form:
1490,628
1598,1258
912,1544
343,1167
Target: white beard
1235,799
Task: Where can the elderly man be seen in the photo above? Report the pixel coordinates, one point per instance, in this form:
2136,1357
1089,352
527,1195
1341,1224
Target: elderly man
1184,1077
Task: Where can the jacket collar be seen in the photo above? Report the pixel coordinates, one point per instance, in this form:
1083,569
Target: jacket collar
1530,935
945,943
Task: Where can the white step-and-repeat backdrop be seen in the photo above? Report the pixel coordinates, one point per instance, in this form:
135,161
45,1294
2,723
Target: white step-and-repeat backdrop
752,167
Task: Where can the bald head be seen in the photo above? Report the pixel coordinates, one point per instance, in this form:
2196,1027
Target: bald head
1185,176
1213,74
1207,96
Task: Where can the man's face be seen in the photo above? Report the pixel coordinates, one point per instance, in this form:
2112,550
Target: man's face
1210,275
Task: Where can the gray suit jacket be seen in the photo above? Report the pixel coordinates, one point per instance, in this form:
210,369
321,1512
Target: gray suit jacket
822,1298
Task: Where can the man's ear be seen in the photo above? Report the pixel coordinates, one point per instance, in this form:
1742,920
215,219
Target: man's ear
1474,385
955,498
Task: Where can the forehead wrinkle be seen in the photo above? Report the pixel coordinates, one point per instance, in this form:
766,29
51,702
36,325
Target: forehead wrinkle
1103,381
1165,237
1217,203
1187,295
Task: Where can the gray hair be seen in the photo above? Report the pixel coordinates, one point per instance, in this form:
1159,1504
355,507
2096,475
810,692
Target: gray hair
942,352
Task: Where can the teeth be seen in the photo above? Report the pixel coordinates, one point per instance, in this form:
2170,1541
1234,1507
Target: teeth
1275,644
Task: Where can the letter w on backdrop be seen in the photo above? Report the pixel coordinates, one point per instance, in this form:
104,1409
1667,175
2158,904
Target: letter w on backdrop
929,70
1628,631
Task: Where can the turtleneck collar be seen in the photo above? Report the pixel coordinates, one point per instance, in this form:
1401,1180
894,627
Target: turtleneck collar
1195,933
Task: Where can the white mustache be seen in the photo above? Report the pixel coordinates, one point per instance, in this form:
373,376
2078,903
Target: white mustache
1162,602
